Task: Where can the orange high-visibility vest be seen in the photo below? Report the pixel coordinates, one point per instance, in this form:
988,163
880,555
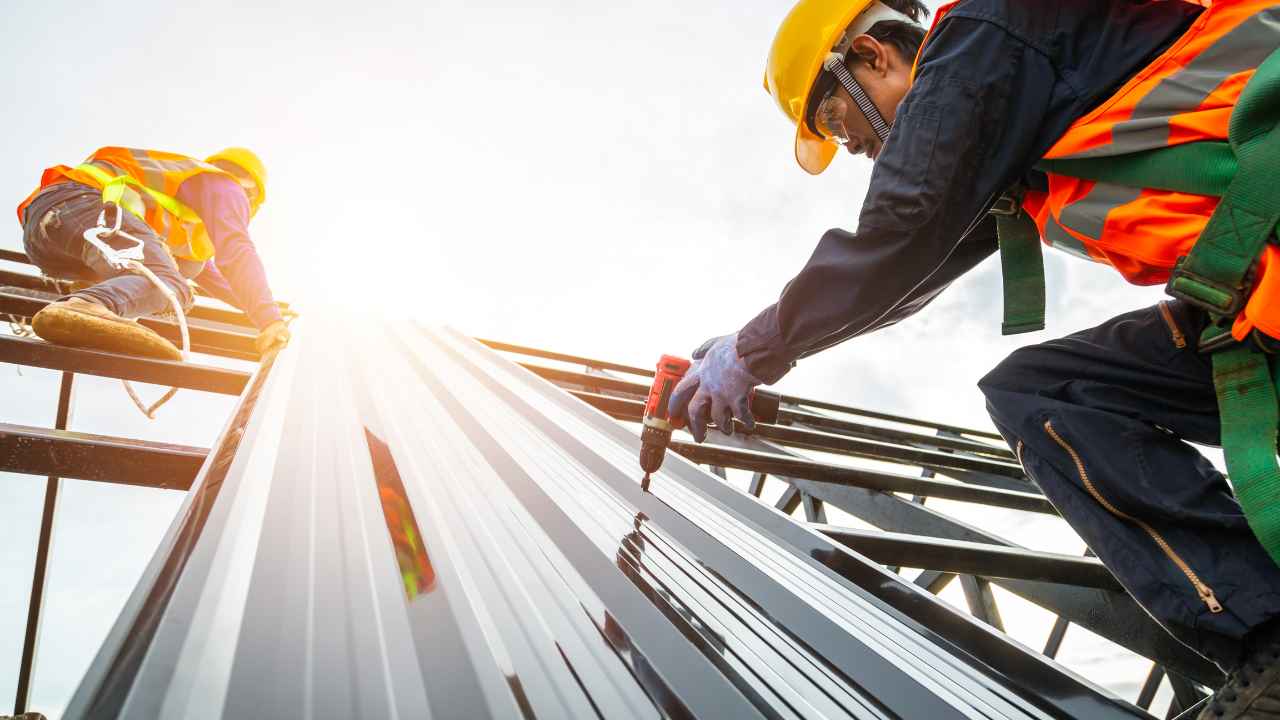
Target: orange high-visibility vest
152,179
1185,95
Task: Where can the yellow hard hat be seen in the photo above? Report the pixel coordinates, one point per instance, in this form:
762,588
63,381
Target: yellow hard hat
249,161
806,36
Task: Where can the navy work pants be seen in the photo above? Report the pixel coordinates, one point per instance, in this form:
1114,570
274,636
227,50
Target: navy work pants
53,235
1100,420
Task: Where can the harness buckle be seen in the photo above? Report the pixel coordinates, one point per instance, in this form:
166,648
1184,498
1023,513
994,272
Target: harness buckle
1216,298
1008,205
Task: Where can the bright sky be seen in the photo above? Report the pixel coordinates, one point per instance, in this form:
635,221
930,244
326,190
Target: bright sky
602,178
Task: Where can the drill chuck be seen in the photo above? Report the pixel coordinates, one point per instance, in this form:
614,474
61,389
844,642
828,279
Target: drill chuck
653,448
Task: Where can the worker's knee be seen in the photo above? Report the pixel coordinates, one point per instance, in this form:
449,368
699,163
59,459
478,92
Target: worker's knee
1014,389
1019,373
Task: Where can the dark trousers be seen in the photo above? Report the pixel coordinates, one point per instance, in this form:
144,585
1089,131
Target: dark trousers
1100,420
53,235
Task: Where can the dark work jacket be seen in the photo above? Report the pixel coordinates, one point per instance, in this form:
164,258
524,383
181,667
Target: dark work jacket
998,83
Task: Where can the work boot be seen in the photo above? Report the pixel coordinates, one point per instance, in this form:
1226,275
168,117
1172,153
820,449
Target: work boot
81,323
1252,692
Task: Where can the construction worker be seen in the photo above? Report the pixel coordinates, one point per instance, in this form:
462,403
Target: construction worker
192,218
1084,122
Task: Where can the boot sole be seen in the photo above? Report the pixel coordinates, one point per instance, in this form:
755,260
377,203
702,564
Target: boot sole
72,328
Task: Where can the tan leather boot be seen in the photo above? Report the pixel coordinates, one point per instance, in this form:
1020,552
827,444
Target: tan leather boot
76,322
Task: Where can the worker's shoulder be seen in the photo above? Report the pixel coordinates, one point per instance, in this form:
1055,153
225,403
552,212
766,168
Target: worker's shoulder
1072,33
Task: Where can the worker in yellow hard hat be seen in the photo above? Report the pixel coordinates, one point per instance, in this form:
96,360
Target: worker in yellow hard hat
1094,125
192,218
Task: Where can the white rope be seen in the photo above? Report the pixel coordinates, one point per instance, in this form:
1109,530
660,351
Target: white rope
130,259
18,326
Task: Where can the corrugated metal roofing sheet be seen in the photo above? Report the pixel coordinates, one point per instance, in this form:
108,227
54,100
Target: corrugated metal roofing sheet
412,526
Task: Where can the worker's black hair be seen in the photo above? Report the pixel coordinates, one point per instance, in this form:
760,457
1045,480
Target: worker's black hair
901,36
914,9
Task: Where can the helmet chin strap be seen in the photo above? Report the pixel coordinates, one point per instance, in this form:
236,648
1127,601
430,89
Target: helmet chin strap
834,64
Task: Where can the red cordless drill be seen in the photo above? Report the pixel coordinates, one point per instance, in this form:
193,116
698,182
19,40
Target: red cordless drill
658,424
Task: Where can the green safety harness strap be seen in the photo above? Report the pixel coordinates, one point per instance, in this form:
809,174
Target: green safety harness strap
1245,381
1199,168
1021,266
1217,276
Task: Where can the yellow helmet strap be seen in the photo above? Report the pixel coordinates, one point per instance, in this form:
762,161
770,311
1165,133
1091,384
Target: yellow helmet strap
835,65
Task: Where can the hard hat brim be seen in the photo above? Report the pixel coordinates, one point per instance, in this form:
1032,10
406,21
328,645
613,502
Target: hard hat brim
813,153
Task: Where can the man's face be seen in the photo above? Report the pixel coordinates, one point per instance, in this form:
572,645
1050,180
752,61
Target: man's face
886,78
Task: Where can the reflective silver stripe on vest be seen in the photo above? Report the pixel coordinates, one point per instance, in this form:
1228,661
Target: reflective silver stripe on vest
1245,46
152,176
1088,215
1062,240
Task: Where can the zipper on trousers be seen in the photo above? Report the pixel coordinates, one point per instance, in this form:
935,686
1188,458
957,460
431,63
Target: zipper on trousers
1204,591
1179,340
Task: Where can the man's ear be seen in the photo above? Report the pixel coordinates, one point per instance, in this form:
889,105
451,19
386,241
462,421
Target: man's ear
872,52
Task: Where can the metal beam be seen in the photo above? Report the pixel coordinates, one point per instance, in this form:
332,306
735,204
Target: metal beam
797,467
66,454
1056,635
789,501
31,639
972,558
814,510
982,603
1113,615
37,353
1150,687
204,339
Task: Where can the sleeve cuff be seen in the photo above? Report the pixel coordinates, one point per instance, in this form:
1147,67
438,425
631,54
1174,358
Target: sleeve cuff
264,315
760,346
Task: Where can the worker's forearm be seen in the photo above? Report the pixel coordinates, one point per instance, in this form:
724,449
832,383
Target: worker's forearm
809,317
247,277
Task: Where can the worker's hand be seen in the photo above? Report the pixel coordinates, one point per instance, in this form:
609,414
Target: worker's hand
276,335
717,386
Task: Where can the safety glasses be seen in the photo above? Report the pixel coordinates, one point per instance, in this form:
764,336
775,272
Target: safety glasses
829,117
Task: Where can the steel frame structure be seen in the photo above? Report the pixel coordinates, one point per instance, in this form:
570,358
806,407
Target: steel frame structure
707,592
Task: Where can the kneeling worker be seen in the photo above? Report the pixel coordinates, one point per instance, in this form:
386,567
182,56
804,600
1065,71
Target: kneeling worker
192,217
1141,135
